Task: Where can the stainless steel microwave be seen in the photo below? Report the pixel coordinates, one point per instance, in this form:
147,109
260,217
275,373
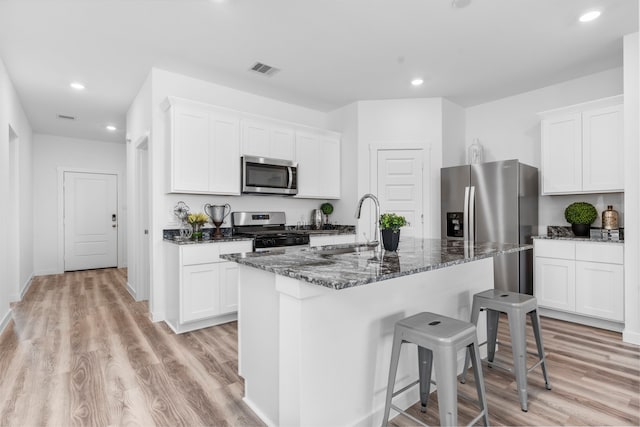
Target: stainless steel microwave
269,176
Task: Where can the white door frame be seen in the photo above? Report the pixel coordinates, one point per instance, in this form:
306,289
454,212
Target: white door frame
61,171
141,242
426,173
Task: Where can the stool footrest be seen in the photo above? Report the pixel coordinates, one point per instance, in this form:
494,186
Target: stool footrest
405,388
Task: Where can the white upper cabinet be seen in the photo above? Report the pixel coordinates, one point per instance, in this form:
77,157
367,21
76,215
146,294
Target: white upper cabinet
562,154
603,149
264,138
582,148
204,148
206,142
189,137
318,157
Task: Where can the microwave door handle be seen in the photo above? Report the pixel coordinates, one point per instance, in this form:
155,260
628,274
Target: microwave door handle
290,169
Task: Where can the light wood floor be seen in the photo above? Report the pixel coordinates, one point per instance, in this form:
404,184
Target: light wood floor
81,352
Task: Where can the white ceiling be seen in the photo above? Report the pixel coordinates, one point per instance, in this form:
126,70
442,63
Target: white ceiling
330,52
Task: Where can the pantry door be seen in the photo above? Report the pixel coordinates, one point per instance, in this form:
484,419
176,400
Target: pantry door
400,186
90,220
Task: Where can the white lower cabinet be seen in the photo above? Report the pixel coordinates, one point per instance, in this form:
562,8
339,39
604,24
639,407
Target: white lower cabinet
202,288
585,279
200,296
602,290
555,283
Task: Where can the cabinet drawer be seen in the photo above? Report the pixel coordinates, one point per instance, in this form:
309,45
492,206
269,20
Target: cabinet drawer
235,247
554,249
612,253
200,254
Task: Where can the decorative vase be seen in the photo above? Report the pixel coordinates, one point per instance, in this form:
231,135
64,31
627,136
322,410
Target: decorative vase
390,240
581,230
197,232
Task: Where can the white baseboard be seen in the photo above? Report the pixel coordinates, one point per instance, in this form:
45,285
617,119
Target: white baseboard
26,286
583,320
131,291
47,272
631,337
259,413
5,321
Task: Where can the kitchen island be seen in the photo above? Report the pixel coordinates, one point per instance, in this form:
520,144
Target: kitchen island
315,325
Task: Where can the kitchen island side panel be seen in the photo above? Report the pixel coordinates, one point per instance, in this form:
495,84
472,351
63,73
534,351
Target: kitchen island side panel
334,347
258,341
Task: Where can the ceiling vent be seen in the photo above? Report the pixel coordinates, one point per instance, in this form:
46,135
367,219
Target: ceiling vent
264,69
65,117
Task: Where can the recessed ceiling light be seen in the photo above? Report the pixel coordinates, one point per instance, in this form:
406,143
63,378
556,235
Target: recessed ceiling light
417,82
111,128
77,86
590,16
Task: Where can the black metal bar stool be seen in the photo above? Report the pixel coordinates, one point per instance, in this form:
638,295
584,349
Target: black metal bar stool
516,306
439,338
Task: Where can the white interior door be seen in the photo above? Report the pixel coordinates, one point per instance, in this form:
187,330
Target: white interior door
90,221
400,187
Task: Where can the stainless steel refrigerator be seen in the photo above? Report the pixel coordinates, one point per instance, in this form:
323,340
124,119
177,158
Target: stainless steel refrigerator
494,202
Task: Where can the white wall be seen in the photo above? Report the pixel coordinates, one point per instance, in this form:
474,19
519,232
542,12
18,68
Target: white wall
453,134
16,248
509,128
50,153
631,331
346,119
395,122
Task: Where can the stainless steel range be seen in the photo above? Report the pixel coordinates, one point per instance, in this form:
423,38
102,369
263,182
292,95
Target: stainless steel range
267,229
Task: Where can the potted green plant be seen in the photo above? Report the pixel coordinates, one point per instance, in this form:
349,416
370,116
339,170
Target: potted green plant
580,215
327,209
390,224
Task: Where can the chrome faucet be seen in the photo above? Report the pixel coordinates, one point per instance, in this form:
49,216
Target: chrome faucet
376,218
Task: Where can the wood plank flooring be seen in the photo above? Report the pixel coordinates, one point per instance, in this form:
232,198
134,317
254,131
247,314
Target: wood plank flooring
81,352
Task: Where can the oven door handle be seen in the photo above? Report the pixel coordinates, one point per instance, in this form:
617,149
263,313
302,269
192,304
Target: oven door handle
290,183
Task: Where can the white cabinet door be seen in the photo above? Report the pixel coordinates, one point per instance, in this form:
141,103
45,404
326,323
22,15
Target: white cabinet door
603,149
189,150
205,150
224,154
555,283
228,287
308,158
600,290
282,143
200,292
267,139
255,139
562,154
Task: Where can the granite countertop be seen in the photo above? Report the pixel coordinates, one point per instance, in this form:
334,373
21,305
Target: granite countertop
225,239
346,266
577,239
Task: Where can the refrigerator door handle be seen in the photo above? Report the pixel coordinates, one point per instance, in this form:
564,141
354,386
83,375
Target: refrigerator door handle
472,213
465,215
